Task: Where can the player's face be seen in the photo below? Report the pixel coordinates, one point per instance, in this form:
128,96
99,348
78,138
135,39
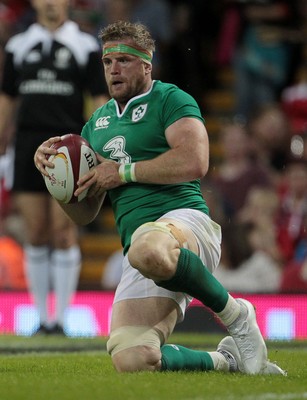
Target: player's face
126,75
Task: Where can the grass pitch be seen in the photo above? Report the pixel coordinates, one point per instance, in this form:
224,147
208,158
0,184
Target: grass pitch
56,368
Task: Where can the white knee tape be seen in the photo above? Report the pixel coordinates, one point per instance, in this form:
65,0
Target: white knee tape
131,336
165,227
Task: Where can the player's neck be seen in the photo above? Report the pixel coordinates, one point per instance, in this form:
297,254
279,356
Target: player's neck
146,88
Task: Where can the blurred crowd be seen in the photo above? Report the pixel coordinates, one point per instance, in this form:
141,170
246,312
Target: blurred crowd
258,190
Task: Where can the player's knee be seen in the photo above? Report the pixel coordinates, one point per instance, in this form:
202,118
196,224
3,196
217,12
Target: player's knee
153,251
135,348
152,261
144,251
139,358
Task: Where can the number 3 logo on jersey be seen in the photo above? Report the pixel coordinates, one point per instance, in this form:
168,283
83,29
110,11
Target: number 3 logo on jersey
117,148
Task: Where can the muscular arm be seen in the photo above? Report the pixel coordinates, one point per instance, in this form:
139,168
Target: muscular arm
188,158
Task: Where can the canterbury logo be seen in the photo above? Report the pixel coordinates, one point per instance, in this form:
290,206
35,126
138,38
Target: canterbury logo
117,148
102,123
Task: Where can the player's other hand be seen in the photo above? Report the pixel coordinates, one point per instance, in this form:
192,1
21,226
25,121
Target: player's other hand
44,150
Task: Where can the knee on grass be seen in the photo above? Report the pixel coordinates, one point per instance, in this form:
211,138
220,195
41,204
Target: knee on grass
135,348
140,358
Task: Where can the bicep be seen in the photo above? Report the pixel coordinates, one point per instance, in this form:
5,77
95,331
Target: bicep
189,134
189,143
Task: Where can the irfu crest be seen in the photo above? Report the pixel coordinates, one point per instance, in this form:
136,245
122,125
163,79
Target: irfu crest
139,112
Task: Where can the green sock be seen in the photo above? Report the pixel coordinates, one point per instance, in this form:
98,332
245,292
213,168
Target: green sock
193,278
177,358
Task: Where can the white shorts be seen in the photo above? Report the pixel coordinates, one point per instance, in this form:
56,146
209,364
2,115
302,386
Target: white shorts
134,285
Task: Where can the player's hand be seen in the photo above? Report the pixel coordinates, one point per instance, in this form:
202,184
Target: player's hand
101,178
42,151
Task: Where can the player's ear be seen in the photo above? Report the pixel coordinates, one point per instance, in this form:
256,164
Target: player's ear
148,68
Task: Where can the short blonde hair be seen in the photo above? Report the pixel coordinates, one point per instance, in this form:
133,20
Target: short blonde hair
136,32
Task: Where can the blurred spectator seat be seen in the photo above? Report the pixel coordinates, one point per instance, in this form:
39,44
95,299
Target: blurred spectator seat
12,260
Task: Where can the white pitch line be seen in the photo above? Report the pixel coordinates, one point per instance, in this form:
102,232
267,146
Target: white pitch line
264,396
278,396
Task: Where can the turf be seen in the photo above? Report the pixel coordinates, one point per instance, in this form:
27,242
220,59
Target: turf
47,368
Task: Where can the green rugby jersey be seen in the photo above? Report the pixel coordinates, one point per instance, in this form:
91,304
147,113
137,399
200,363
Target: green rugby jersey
136,134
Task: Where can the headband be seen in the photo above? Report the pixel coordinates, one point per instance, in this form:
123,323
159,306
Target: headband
145,55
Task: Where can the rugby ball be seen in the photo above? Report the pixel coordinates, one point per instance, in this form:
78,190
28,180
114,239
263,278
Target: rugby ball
75,157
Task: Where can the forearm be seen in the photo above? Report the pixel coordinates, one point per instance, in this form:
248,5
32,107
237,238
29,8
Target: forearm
168,169
171,167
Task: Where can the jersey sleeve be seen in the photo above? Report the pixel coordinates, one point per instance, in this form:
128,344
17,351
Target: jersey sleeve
9,84
95,81
179,104
87,129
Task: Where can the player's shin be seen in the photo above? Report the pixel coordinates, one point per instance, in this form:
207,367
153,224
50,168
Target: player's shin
177,358
193,278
